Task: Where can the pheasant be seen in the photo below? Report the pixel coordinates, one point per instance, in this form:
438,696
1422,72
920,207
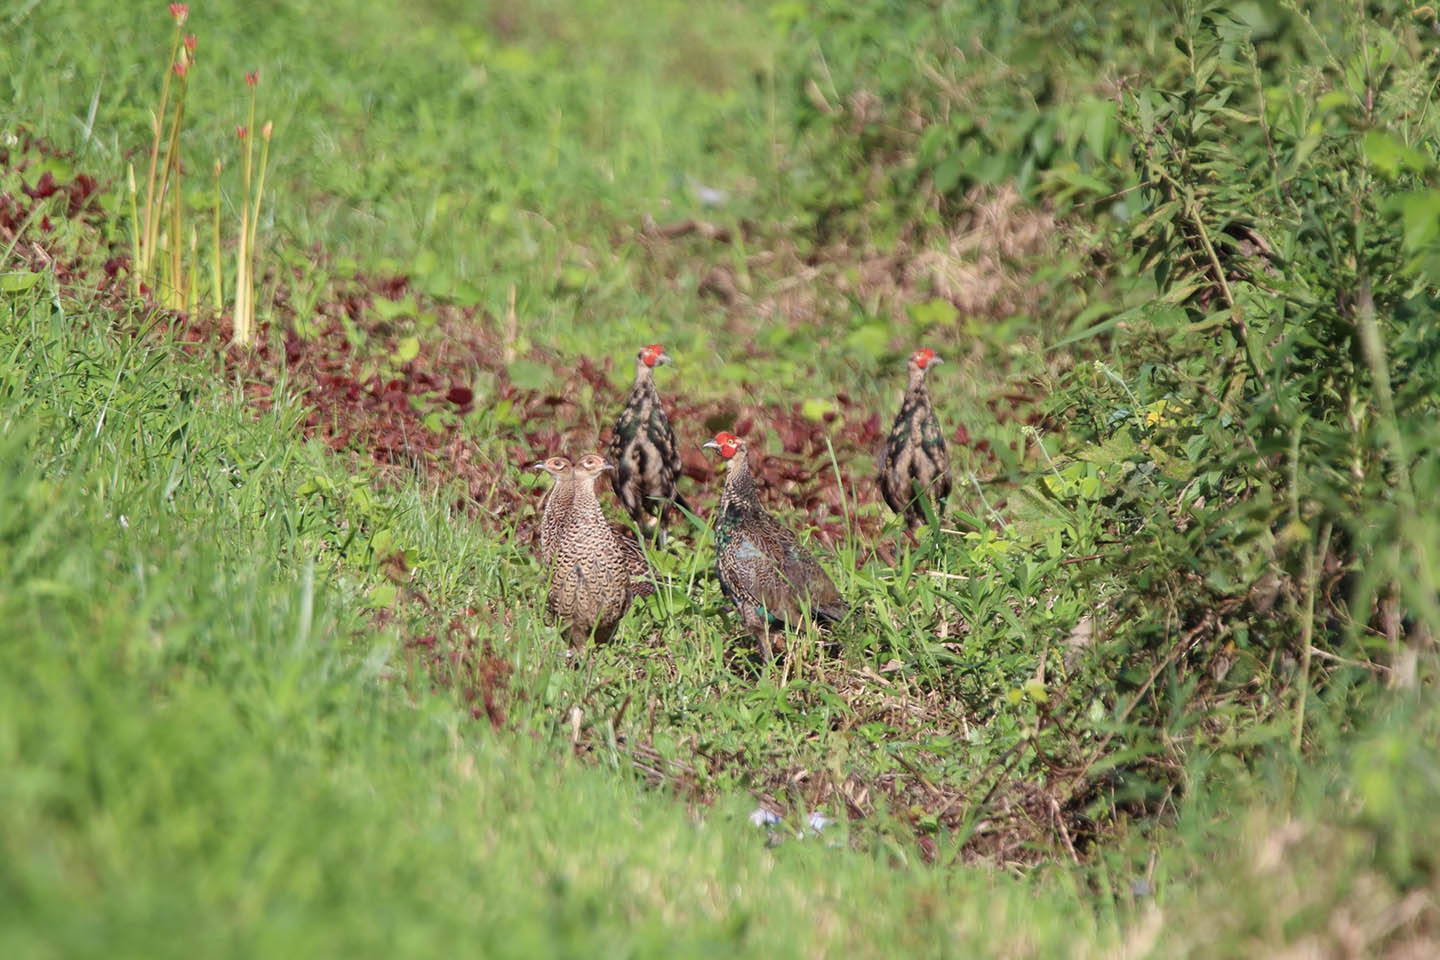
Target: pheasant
915,464
556,503
643,448
596,570
763,570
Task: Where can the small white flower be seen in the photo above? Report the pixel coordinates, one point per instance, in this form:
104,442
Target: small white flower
764,818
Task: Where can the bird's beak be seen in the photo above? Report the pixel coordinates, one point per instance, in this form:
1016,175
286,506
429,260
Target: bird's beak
663,358
537,465
937,359
608,466
709,445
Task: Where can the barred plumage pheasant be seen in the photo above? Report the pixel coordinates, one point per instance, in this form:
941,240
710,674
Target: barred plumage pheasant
556,503
763,570
643,448
916,465
595,569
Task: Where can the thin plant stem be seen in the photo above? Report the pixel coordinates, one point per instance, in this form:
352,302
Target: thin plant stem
216,276
135,260
242,335
192,292
243,332
177,245
1313,562
172,164
144,252
255,221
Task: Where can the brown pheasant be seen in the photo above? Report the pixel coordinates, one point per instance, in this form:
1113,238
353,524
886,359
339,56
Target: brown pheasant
916,465
763,570
595,569
643,448
556,504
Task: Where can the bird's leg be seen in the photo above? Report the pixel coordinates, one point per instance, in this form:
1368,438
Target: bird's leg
765,649
655,524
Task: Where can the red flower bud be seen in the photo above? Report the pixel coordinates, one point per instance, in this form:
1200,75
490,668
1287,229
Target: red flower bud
240,131
266,129
181,66
180,12
252,78
190,42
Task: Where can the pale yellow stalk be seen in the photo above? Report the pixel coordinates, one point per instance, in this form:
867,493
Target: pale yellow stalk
216,277
255,217
143,252
190,300
135,231
172,163
244,329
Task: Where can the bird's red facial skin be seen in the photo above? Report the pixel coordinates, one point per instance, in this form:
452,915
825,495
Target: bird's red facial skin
922,357
728,444
651,354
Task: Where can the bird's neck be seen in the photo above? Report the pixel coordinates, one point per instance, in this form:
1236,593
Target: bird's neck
740,487
563,493
915,389
644,377
583,501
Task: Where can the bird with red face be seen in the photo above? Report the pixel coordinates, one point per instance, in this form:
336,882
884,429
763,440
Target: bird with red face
915,466
642,447
772,580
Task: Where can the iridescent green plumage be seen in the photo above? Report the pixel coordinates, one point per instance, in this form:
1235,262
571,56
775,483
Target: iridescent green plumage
772,580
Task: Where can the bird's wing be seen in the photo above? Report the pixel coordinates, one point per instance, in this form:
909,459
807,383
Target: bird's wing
637,565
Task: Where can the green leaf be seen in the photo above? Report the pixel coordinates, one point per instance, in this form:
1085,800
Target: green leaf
1160,216
407,349
382,595
1420,213
390,309
948,172
934,312
18,281
1389,155
869,338
817,409
528,375
1099,127
786,15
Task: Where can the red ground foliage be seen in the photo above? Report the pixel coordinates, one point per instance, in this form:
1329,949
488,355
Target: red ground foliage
410,418
385,412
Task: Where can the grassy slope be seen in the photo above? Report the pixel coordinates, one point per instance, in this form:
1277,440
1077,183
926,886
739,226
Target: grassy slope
204,740
202,737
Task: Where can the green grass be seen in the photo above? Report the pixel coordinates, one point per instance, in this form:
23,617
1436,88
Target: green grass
218,721
207,742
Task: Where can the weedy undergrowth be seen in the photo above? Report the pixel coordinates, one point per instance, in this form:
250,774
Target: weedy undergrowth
158,262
